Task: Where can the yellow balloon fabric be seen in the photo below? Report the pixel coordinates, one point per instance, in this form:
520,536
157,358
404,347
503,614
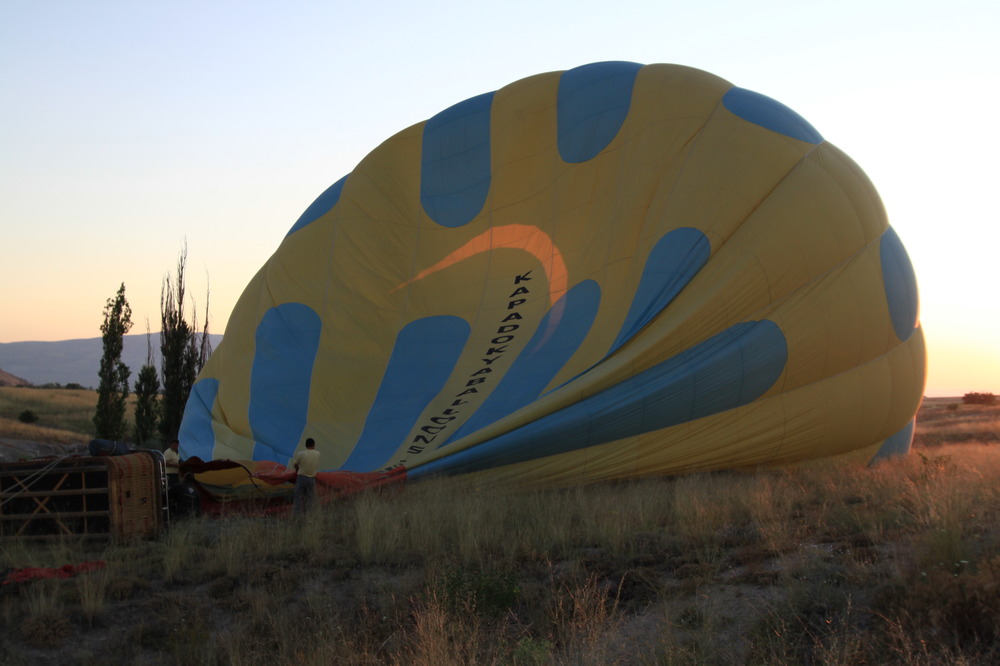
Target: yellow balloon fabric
610,272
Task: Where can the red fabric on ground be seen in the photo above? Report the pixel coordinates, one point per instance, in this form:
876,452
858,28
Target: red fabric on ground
337,484
330,486
65,571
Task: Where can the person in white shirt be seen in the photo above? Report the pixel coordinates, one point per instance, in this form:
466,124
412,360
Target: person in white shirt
173,461
306,463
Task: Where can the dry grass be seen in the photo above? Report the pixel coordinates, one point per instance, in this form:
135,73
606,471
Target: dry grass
832,564
948,421
14,429
57,409
65,416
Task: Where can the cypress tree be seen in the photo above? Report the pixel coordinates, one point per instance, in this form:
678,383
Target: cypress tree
113,390
178,355
183,351
147,389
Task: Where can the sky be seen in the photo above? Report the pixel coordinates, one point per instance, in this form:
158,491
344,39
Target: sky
130,130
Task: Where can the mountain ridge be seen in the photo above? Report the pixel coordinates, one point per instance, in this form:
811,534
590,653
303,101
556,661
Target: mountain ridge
75,361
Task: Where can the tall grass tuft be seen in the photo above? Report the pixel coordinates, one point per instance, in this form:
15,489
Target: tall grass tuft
92,588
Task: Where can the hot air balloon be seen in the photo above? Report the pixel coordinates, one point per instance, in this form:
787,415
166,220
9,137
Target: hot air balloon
615,271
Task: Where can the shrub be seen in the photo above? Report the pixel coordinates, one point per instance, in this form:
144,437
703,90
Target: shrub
489,592
957,609
979,399
45,630
27,416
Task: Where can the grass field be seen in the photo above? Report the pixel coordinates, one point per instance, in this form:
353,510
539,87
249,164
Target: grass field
832,564
65,416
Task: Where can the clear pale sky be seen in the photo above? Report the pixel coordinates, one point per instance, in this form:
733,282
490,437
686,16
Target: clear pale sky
128,128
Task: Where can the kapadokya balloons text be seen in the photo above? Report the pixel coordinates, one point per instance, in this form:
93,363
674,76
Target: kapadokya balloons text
610,272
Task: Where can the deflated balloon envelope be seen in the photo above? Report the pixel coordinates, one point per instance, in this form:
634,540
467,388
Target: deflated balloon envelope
609,272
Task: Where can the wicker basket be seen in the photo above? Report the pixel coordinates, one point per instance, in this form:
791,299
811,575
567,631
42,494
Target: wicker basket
104,496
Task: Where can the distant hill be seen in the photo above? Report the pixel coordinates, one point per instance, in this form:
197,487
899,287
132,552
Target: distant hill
73,361
7,379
